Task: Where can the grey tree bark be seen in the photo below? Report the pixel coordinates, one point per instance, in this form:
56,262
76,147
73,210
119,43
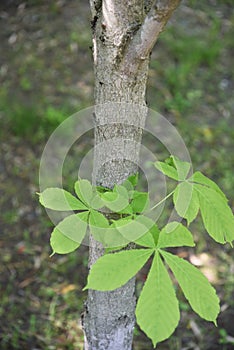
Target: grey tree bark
124,33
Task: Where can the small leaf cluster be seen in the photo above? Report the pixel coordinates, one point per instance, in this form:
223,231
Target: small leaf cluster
157,310
89,205
118,216
198,192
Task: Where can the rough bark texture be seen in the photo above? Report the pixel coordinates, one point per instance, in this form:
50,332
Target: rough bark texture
124,33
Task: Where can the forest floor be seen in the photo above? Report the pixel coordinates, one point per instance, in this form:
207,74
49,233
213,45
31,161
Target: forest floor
45,76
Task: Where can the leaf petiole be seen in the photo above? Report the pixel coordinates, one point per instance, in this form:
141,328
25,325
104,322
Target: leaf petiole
163,200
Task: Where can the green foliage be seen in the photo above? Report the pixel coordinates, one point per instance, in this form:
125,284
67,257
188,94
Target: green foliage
84,191
199,192
186,56
134,227
59,199
157,310
115,201
216,214
167,169
33,123
61,244
199,178
174,168
140,201
175,234
112,271
186,201
97,224
197,289
72,228
150,238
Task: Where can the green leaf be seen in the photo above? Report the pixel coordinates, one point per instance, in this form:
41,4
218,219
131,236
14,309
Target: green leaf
182,167
115,249
114,201
148,239
216,214
133,229
109,196
122,191
186,201
102,189
195,286
98,225
112,271
122,222
61,244
175,234
74,226
97,219
128,185
112,238
167,170
154,230
59,199
174,168
126,210
131,182
157,310
199,178
140,201
133,179
84,191
96,202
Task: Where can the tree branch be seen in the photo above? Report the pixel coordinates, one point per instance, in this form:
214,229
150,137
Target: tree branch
95,6
145,38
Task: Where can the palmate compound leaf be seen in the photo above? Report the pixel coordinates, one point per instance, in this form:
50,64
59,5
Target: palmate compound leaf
59,199
175,234
112,271
186,201
195,286
157,310
69,233
216,214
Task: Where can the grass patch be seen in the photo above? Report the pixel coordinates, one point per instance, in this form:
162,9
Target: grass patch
186,56
32,123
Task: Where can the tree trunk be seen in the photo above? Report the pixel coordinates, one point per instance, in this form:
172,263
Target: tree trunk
124,33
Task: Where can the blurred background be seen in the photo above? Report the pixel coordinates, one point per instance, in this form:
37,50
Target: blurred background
45,76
